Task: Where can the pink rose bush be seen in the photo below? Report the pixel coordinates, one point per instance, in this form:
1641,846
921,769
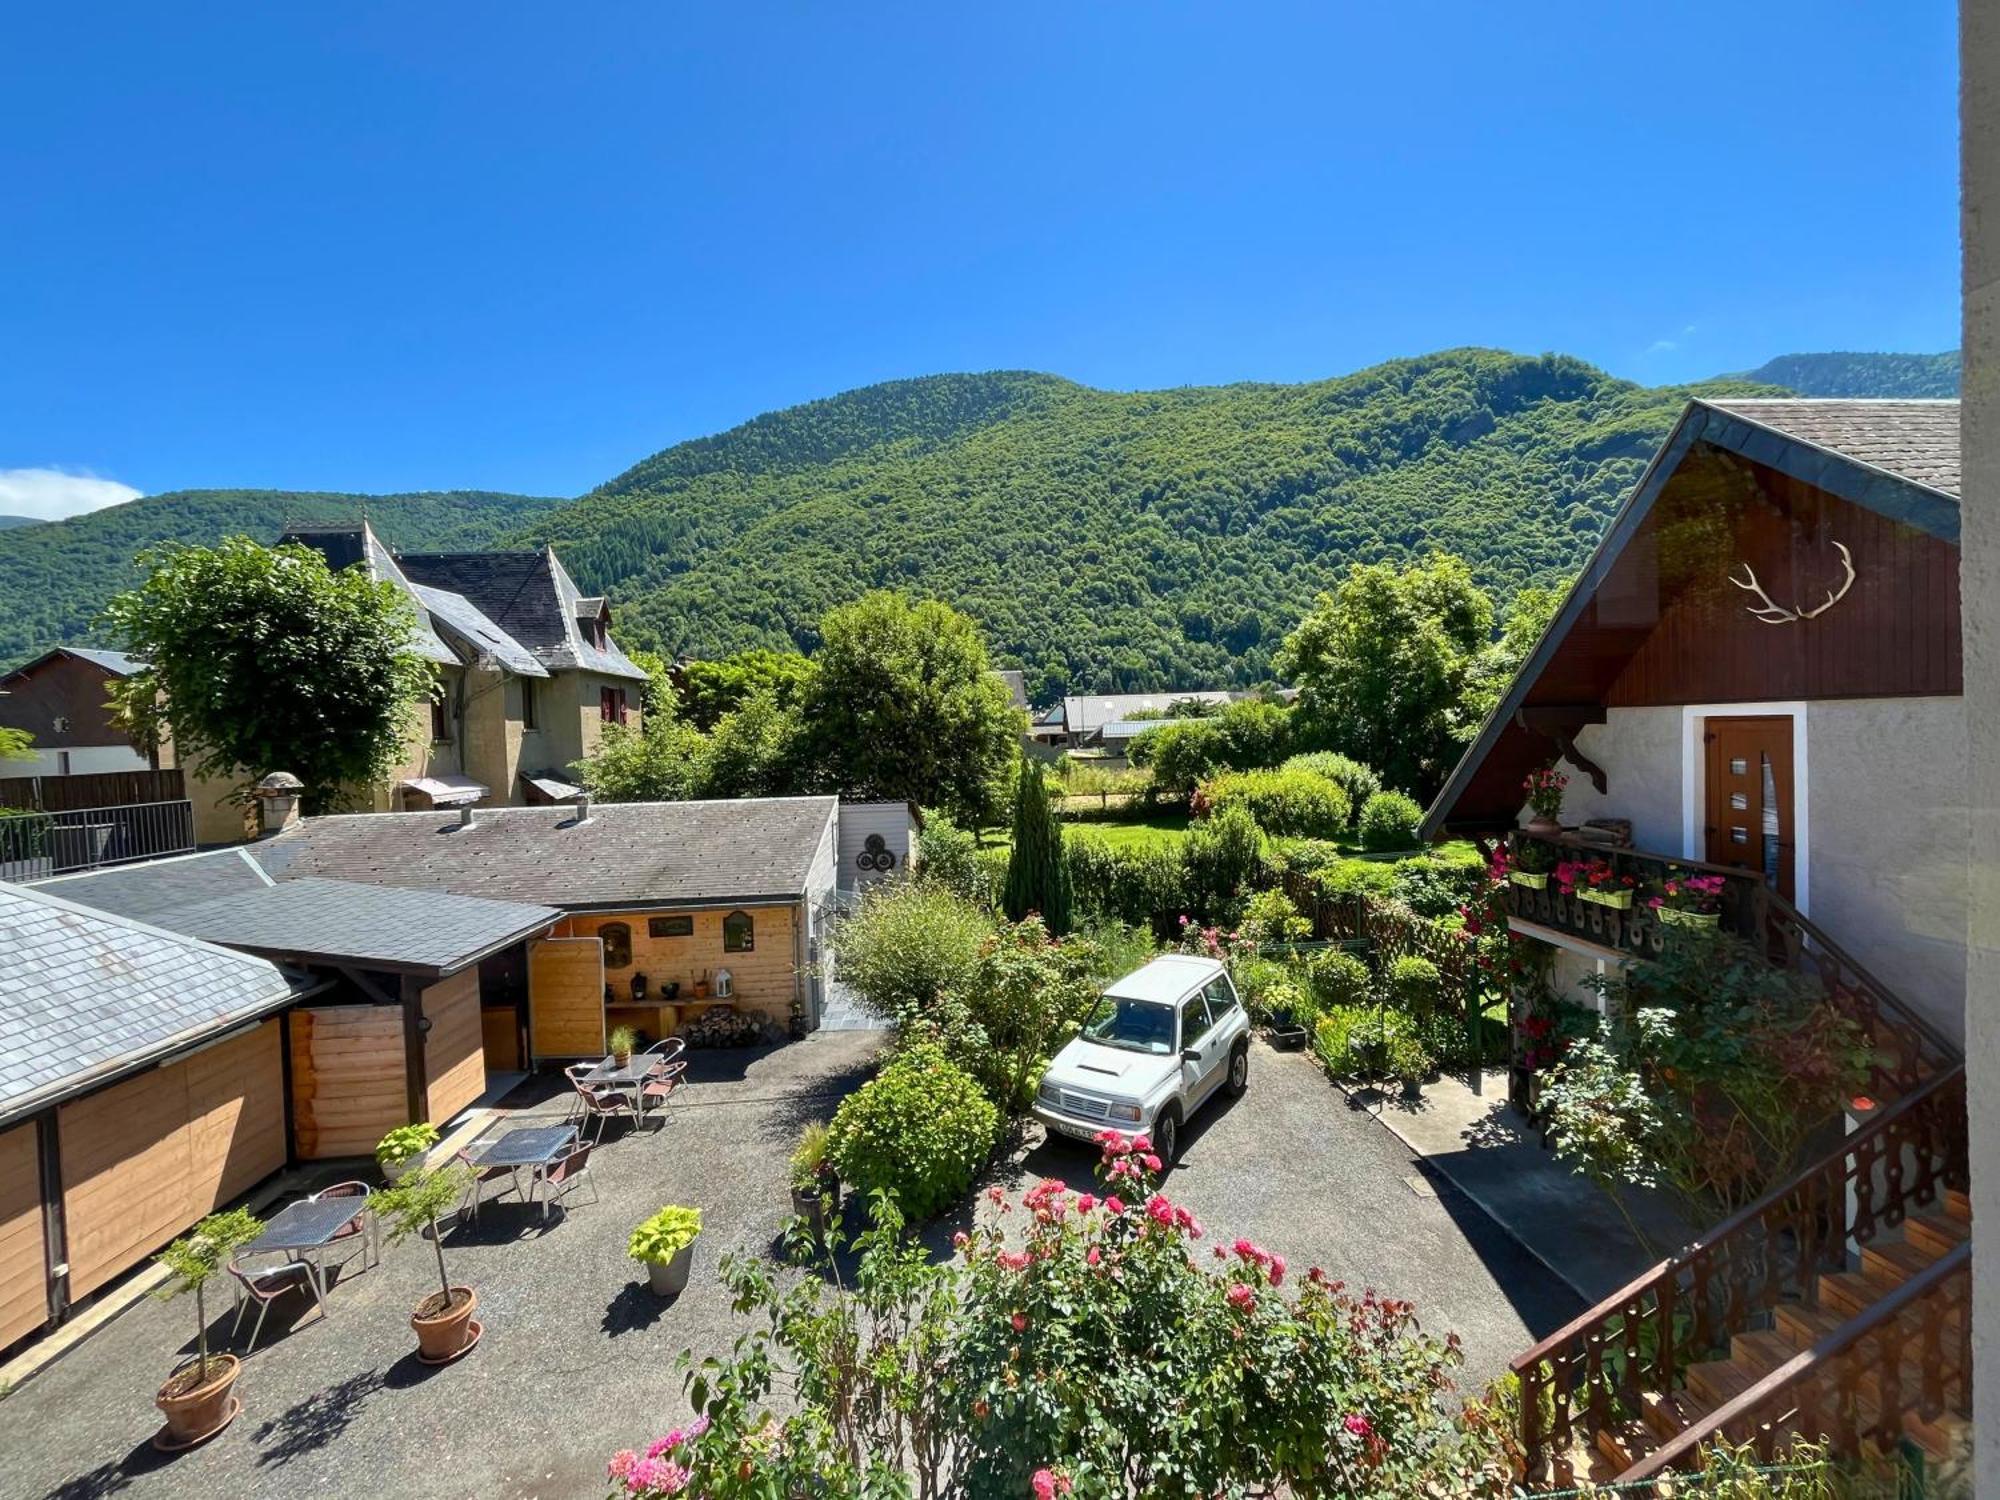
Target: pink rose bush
1084,1345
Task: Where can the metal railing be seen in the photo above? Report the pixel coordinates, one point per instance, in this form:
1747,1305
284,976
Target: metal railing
35,846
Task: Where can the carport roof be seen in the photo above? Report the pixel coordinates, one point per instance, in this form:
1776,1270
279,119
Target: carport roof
86,995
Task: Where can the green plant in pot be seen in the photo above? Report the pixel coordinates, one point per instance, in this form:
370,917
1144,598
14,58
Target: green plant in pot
1533,861
443,1321
664,1245
623,1040
197,1400
404,1147
815,1184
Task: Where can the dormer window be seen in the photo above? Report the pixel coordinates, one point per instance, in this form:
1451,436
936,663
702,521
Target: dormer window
600,637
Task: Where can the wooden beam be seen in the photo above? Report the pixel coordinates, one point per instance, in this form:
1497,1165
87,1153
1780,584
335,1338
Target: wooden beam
416,1077
55,1232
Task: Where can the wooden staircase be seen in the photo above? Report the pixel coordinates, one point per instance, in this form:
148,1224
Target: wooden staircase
1835,1309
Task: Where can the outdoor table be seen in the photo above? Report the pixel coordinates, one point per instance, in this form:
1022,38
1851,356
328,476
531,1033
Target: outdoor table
629,1079
529,1146
308,1225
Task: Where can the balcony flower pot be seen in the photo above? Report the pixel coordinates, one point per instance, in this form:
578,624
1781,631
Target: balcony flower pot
1674,918
445,1327
196,1401
1618,900
1533,880
1543,826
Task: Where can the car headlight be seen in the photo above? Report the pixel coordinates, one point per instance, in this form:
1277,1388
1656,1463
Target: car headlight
1130,1112
1048,1095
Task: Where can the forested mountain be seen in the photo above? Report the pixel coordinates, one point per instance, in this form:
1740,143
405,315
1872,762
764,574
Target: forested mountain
1861,374
1113,539
54,578
8,523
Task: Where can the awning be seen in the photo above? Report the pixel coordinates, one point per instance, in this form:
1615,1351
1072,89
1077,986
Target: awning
546,787
447,791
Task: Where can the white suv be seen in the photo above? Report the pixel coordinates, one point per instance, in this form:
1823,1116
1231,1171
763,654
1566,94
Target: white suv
1160,1042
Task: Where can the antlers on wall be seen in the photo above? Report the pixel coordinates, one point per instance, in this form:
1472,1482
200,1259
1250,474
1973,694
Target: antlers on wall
1772,613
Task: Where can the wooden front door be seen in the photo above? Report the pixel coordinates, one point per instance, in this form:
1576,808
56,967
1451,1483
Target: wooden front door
1749,797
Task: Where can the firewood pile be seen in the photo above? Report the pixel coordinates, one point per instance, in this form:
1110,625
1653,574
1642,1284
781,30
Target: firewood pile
725,1026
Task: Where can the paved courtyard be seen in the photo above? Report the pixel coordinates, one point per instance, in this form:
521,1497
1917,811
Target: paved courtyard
579,1359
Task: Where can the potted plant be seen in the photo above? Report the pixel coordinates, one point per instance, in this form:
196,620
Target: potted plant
197,1400
815,1184
623,1039
1287,1010
1688,900
443,1321
403,1148
1596,881
1544,788
1531,865
664,1245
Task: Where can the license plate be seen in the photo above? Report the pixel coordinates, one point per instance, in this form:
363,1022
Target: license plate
1074,1132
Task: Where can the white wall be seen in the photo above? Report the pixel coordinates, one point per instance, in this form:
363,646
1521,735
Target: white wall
1640,751
83,759
897,829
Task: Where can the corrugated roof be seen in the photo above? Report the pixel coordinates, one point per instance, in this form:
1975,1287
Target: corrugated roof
626,853
1083,713
1914,440
83,992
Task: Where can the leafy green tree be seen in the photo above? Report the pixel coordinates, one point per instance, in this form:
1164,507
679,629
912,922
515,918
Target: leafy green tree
753,750
658,695
911,943
1528,616
715,688
16,744
1383,664
901,706
661,761
1037,873
263,659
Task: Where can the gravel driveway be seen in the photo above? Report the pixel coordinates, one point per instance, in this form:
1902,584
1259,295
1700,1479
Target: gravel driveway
579,1359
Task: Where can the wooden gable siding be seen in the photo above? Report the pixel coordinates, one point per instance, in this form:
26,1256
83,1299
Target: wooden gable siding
24,1298
65,688
144,1159
348,1079
1894,633
764,980
454,1055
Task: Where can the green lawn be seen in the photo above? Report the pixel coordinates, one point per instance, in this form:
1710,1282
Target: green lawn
1161,831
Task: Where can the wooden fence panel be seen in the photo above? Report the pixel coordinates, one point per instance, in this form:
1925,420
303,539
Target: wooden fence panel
92,789
349,1084
566,997
125,1171
24,1287
454,1051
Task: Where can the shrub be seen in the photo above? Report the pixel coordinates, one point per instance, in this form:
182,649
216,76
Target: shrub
1369,1042
1181,754
1334,1039
910,942
1283,802
1288,997
1413,985
1146,886
1338,978
1270,917
991,864
1223,856
1255,977
1389,820
657,1240
1358,781
1357,877
918,1131
949,855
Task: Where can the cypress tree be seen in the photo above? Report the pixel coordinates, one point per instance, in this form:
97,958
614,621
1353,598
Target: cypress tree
1037,873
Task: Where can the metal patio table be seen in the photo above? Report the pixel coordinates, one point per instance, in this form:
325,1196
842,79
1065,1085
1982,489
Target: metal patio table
531,1146
629,1079
309,1226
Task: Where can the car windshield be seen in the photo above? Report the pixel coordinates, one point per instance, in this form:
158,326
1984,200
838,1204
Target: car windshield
1131,1024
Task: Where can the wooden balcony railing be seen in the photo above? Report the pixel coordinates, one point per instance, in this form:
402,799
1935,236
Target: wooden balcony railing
1595,1371
1903,1360
1909,1049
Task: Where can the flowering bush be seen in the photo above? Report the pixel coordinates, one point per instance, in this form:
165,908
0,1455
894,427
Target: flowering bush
918,1131
1544,789
1599,875
1683,891
1095,1345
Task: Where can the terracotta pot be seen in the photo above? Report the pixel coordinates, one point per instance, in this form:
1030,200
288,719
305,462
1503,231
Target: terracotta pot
669,1278
620,1059
1544,826
446,1335
194,1414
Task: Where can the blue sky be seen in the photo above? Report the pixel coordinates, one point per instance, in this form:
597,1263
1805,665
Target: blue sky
381,247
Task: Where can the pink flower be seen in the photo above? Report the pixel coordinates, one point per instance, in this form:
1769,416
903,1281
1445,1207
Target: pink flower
1277,1270
621,1463
958,1240
1142,1142
1152,1162
1093,1257
1085,1202
1115,1204
1012,1260
1358,1425
1020,1322
1044,1485
1160,1211
1240,1297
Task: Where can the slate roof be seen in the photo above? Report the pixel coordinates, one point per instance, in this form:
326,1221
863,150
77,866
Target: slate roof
466,620
531,596
84,994
1914,440
344,545
626,854
227,897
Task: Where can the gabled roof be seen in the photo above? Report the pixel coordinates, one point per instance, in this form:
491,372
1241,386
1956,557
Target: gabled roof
116,663
1899,459
86,996
344,545
459,616
530,596
624,854
227,897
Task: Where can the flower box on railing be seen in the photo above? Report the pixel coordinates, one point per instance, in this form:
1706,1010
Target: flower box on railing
1533,880
1674,918
1619,900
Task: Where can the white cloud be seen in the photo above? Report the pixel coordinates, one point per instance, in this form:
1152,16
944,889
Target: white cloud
51,494
1667,346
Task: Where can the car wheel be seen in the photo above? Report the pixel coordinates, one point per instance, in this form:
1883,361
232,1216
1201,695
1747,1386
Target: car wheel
1239,1072
1167,1137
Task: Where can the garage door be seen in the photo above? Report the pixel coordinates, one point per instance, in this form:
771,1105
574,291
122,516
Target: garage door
146,1158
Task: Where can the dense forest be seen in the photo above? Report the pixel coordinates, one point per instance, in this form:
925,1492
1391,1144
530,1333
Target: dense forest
1862,374
7,523
1101,539
1109,540
54,578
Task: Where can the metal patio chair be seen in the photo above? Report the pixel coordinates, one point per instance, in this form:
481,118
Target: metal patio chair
265,1287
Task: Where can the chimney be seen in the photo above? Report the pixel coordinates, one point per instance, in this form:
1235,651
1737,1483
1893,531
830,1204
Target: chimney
582,808
277,802
465,817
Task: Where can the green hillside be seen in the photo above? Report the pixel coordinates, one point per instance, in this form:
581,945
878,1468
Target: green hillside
1862,374
8,523
1112,539
54,578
